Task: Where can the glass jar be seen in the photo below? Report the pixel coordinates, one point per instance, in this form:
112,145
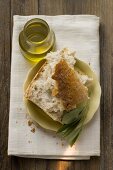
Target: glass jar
36,39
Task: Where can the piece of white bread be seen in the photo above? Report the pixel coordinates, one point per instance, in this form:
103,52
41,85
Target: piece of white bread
40,89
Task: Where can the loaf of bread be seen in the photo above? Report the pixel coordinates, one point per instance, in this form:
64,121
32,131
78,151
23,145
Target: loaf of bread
55,89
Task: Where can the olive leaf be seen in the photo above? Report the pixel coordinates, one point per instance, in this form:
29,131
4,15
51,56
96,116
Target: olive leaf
73,115
73,128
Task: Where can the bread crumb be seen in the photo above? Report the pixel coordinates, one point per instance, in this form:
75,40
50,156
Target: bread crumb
57,143
16,122
30,122
33,130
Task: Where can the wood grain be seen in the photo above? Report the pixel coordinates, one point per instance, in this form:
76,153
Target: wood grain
102,8
5,161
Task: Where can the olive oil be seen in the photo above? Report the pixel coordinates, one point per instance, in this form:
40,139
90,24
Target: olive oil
36,39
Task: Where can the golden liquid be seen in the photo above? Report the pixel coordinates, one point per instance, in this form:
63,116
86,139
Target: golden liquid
36,41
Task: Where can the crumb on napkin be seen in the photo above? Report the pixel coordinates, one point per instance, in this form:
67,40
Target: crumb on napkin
30,122
33,130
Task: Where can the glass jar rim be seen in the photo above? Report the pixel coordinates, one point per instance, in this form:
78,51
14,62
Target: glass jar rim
38,20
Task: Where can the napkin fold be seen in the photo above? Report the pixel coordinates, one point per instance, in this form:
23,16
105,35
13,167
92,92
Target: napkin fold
79,33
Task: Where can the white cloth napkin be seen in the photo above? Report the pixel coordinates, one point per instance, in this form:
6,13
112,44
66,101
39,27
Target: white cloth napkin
80,33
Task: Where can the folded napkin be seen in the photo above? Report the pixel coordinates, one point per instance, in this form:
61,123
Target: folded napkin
79,33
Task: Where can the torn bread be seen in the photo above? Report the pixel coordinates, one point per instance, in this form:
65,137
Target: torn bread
70,90
45,89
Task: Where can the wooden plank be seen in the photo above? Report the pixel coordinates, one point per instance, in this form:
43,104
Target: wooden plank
5,162
22,163
106,47
40,164
26,7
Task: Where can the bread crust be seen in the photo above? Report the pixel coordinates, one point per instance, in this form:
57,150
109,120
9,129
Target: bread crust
28,90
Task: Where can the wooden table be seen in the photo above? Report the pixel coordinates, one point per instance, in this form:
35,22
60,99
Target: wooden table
101,8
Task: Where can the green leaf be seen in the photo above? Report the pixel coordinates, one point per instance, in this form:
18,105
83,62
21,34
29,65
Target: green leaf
76,132
64,127
72,137
72,130
73,115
